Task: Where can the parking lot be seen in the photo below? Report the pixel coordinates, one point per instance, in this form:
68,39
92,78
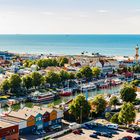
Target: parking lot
117,134
41,136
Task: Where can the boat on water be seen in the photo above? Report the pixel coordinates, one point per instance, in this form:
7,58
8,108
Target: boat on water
38,97
89,86
66,92
117,81
113,82
103,85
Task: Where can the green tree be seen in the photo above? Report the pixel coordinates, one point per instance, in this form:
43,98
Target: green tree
135,82
28,63
54,62
64,75
108,115
129,69
78,75
49,62
43,63
25,63
113,101
80,108
114,118
86,72
98,104
136,69
40,63
124,69
114,71
71,75
128,93
96,72
62,61
1,69
52,78
37,79
127,114
27,82
5,86
15,83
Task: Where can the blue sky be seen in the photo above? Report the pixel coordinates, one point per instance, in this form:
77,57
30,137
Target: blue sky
70,16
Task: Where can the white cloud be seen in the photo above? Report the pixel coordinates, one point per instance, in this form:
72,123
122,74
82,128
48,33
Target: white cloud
67,22
47,13
83,16
11,12
102,11
65,18
137,10
133,20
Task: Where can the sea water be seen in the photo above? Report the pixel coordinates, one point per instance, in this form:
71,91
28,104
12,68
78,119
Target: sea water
70,44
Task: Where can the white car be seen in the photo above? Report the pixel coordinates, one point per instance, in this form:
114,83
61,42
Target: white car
56,127
73,125
113,126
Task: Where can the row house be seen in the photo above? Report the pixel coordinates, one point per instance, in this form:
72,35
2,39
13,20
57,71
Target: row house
8,131
33,119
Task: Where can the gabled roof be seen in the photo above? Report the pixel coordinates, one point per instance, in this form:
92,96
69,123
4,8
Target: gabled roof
5,124
50,110
38,109
12,119
29,111
19,114
41,110
26,112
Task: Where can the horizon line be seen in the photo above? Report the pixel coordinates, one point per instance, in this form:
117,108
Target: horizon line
69,34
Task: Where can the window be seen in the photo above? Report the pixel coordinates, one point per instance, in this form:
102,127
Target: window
59,120
49,122
39,118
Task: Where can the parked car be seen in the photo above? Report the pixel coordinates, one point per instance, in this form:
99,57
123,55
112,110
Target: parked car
47,129
76,132
137,138
85,127
97,133
127,138
80,130
113,126
36,133
134,127
130,131
42,132
90,126
93,136
106,135
56,127
110,133
73,125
